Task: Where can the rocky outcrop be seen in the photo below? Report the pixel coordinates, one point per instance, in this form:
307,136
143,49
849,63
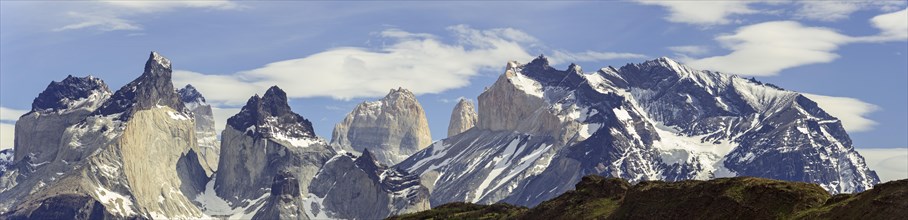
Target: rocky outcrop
67,206
59,106
285,201
266,137
126,155
463,117
206,133
350,187
393,128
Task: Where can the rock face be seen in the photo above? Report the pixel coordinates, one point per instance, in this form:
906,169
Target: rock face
6,160
462,118
59,106
541,129
285,201
393,128
264,138
210,147
351,187
124,157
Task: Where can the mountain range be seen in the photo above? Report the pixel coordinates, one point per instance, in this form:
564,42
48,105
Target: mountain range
151,151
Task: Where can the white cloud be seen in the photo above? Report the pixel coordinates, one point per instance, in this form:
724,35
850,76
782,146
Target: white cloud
893,27
156,6
100,22
691,50
852,112
115,15
767,48
827,10
838,10
444,100
7,133
561,56
230,90
419,62
8,114
703,12
221,115
889,163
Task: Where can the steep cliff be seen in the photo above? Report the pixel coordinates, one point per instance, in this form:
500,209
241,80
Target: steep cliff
209,145
59,106
351,187
393,128
266,137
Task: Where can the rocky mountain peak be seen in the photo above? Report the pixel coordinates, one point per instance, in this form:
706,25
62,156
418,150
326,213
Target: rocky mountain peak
463,117
157,61
574,68
153,88
539,65
271,113
63,94
399,94
369,164
189,94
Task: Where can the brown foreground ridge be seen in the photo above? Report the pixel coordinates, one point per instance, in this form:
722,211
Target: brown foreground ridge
597,197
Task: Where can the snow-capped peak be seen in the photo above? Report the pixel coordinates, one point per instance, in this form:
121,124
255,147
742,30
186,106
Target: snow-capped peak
190,95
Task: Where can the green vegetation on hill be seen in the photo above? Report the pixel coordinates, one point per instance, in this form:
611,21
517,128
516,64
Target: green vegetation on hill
461,210
597,197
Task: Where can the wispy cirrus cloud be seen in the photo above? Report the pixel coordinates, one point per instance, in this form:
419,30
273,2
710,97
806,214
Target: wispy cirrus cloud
121,15
711,13
840,10
562,56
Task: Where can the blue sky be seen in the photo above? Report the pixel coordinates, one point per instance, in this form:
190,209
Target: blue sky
330,56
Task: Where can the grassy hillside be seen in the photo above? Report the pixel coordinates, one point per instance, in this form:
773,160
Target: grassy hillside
596,197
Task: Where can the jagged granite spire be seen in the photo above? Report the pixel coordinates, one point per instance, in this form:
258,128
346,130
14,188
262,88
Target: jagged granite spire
270,113
463,117
60,95
153,88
